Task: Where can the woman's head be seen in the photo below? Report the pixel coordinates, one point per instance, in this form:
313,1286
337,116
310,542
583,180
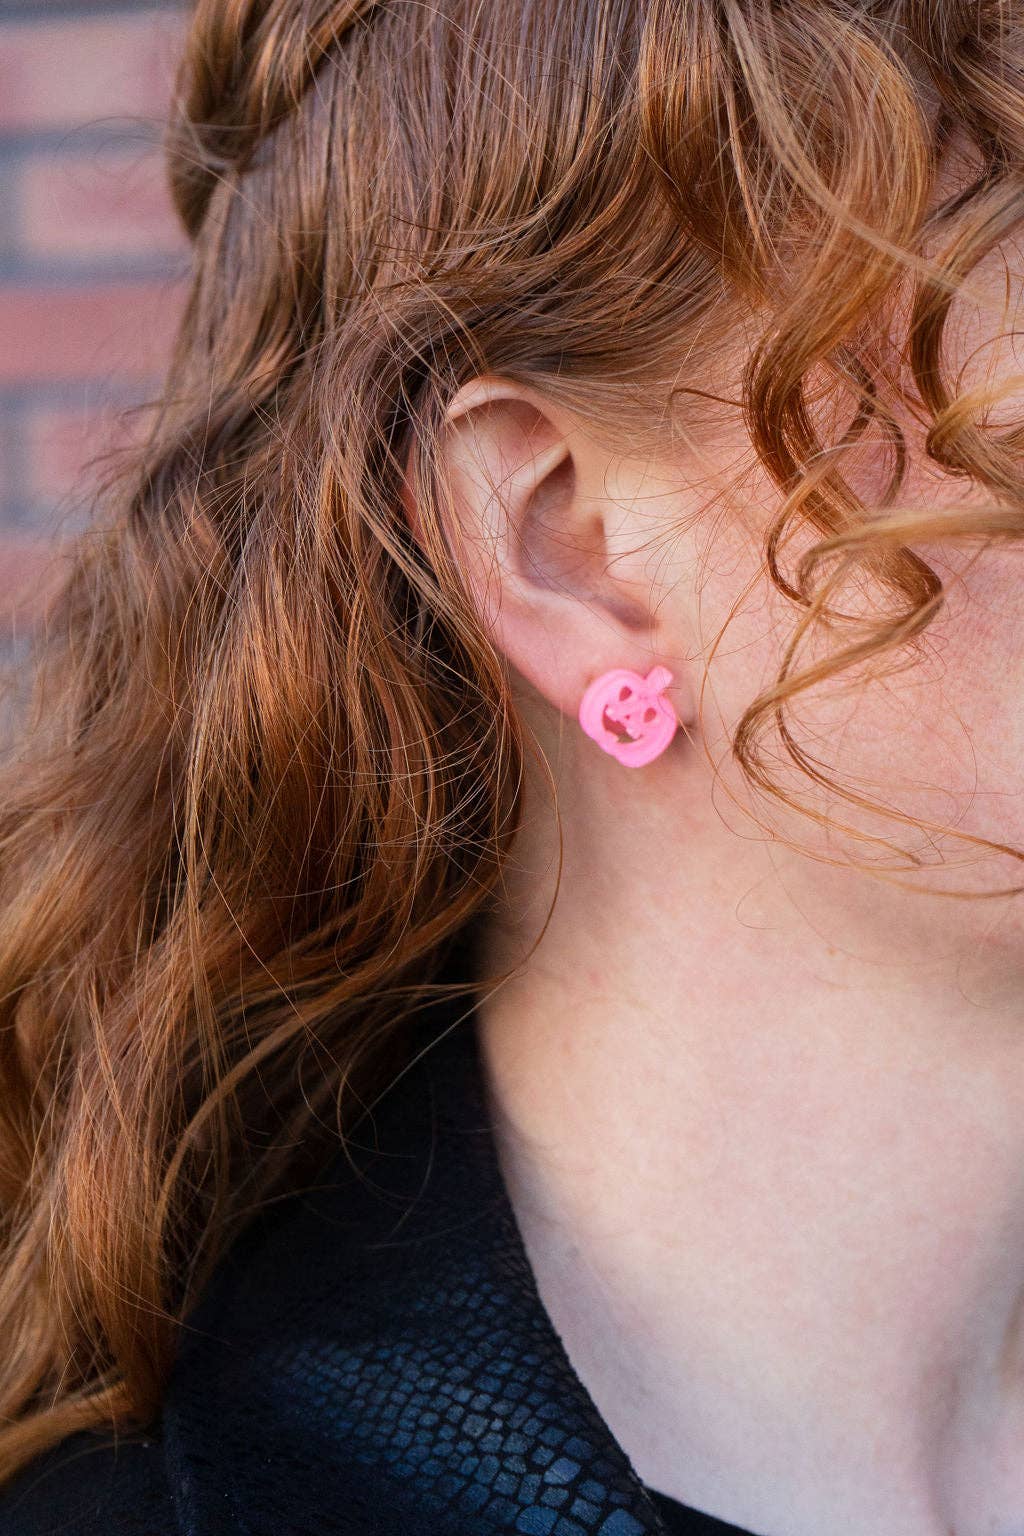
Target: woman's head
753,251
525,340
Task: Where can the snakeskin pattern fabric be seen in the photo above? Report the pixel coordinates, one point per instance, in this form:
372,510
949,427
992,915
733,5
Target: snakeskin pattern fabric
372,1359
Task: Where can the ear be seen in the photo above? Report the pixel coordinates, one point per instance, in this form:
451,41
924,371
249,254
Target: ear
546,524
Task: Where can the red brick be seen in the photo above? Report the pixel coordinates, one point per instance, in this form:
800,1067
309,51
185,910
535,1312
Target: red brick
64,449
89,331
30,569
107,203
8,482
58,73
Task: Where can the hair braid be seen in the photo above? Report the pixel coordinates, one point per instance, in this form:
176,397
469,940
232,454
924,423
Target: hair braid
247,66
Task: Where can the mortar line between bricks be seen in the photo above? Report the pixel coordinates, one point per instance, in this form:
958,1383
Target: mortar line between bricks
75,10
90,136
65,279
71,394
23,270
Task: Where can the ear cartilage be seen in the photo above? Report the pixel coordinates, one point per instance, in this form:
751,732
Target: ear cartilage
628,715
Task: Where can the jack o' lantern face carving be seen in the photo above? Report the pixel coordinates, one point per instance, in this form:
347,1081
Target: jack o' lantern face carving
627,715
630,715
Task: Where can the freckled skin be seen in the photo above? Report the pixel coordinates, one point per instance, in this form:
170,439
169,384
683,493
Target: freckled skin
762,1115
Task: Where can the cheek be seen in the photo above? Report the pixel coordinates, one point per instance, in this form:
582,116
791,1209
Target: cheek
940,739
976,704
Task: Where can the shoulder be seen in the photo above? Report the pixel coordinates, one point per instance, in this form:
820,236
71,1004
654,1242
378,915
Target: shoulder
316,1372
89,1487
247,1403
282,1412
371,1359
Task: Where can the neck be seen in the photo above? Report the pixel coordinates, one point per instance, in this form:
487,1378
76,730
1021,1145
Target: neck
771,1185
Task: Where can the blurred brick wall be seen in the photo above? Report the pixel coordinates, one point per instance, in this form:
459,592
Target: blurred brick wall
91,262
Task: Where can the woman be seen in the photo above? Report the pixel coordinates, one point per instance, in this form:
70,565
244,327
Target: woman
511,941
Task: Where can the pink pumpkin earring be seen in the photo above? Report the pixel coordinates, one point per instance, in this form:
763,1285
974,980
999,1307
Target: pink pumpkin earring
628,716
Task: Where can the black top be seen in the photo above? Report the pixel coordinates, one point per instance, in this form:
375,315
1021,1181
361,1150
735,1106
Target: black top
680,1520
371,1359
